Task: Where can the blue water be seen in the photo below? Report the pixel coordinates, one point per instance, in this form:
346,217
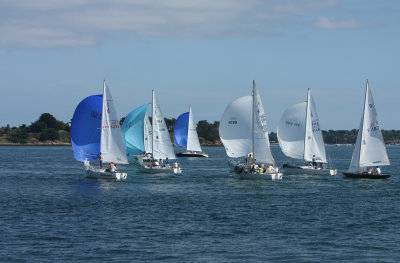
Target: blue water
51,213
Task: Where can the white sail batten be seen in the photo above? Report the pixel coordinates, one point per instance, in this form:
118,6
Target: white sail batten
193,143
291,130
261,147
162,146
112,145
235,127
314,143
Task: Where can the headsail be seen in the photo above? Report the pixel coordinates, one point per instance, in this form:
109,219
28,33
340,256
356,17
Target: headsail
85,129
314,143
133,130
370,149
162,146
112,145
193,143
261,149
148,134
181,130
291,130
235,127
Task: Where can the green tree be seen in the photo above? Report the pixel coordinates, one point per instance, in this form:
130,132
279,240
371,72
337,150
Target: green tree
49,135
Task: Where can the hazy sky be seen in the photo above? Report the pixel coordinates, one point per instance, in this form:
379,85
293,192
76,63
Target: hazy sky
203,53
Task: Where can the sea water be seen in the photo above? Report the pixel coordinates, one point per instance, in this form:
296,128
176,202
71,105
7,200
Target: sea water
49,212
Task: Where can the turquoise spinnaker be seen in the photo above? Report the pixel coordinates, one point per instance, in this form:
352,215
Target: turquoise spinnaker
132,131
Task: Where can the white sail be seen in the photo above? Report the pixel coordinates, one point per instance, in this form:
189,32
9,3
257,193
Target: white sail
299,133
243,128
162,146
112,145
235,127
355,159
261,149
370,147
291,130
314,143
147,134
193,143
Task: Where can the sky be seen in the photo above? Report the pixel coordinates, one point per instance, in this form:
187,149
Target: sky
203,53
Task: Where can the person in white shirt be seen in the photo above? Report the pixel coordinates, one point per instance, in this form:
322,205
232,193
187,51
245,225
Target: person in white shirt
378,170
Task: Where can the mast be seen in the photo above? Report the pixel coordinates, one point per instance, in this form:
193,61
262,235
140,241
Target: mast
187,135
152,123
102,115
305,126
363,119
253,120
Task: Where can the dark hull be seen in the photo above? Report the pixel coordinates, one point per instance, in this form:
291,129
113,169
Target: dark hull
366,175
192,155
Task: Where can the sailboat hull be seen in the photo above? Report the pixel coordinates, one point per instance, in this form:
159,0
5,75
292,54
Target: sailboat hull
96,173
309,170
192,154
159,170
245,172
365,175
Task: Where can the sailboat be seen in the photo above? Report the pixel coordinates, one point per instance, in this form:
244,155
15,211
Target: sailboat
370,149
185,135
153,138
300,137
243,132
95,133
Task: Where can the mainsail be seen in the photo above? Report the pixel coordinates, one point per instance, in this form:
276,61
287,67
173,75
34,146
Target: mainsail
162,146
112,145
370,149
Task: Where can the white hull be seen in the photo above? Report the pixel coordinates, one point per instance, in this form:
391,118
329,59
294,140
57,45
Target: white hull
144,165
309,170
267,176
159,170
97,173
245,173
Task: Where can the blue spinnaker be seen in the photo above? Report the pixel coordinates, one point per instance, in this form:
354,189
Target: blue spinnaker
132,131
86,128
181,130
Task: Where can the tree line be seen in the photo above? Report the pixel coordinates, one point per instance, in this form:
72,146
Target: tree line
48,128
